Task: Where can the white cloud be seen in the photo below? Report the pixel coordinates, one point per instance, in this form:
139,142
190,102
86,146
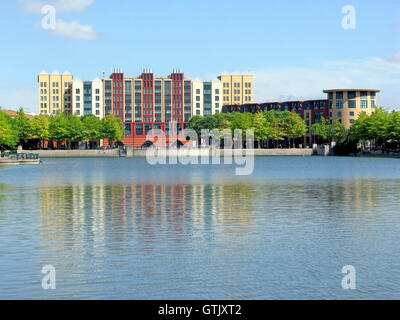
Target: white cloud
395,58
74,30
61,6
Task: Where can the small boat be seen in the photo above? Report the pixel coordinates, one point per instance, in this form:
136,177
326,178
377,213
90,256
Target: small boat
14,159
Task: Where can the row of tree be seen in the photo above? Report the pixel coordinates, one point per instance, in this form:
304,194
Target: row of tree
381,129
60,128
268,125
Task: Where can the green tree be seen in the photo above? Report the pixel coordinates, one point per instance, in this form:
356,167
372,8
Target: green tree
92,128
75,129
394,126
339,132
40,128
360,128
322,129
378,126
261,128
196,124
276,132
112,128
293,126
58,128
8,133
22,126
242,121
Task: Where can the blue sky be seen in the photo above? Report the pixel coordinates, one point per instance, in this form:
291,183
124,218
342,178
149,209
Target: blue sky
294,48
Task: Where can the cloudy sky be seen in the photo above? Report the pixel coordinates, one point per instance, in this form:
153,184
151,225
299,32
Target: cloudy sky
294,48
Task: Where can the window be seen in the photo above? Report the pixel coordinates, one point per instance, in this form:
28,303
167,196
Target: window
351,95
197,98
352,104
339,95
198,112
351,113
78,91
216,91
364,104
339,104
339,114
97,91
351,121
197,91
197,105
372,104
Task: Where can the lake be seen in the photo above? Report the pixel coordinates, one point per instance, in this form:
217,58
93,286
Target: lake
122,229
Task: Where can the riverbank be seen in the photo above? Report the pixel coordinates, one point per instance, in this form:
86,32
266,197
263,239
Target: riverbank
161,152
378,154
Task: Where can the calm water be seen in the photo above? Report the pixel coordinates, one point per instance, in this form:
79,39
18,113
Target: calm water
122,229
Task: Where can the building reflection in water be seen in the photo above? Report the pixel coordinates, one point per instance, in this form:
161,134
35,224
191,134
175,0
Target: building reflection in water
70,215
74,214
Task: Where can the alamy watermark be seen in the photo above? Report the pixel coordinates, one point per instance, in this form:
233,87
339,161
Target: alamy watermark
49,19
49,279
168,148
349,280
349,20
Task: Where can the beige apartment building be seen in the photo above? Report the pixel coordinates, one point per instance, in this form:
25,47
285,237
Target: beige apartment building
87,98
346,105
207,98
55,92
236,89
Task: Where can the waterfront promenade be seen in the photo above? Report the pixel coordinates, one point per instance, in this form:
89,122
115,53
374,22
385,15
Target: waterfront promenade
172,152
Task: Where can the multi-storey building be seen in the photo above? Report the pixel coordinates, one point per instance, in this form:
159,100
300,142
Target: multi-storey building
342,105
236,89
87,98
145,103
207,98
346,104
55,92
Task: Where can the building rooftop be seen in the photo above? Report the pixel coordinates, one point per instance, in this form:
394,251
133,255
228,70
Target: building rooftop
13,114
334,90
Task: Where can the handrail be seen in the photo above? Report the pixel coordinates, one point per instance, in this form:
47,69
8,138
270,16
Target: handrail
21,156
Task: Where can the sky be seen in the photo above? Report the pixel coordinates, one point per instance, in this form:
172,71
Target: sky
294,48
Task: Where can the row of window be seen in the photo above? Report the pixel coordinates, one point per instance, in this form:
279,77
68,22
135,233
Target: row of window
352,94
78,98
55,84
78,105
352,104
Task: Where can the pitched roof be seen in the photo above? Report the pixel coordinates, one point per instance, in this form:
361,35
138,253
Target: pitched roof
13,114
